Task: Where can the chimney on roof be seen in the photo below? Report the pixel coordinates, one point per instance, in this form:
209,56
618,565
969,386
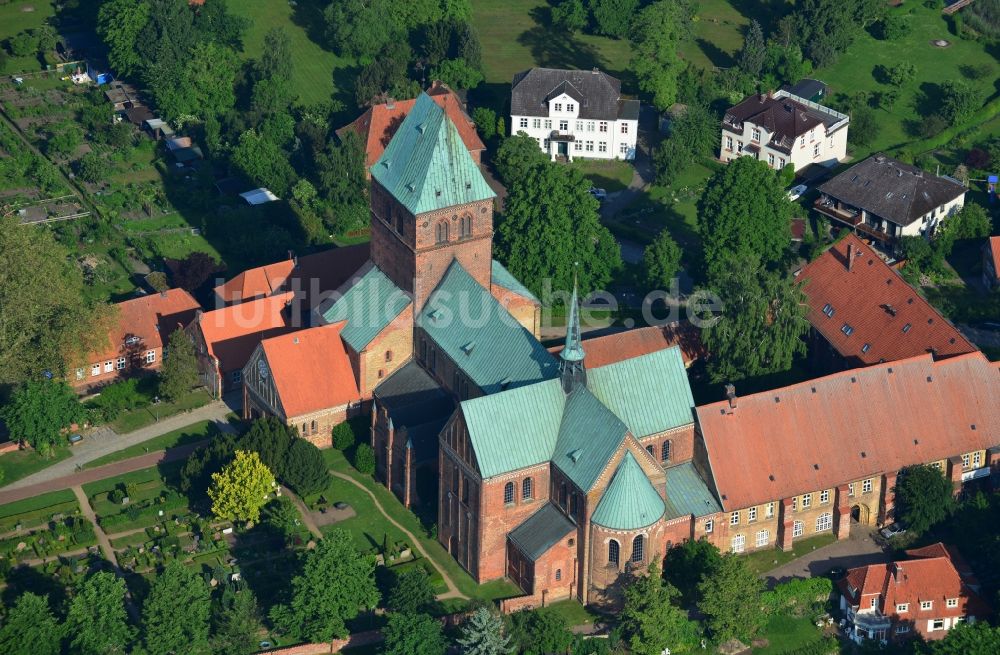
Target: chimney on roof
731,395
596,70
762,97
390,103
163,294
897,572
850,257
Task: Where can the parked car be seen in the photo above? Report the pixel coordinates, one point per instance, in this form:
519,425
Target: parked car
797,191
893,530
600,194
74,439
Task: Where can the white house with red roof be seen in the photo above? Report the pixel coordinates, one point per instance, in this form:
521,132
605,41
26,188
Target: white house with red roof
928,594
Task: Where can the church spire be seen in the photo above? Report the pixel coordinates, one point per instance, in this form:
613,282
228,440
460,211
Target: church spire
571,367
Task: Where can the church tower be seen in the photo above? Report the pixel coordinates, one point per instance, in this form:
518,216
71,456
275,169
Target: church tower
430,204
571,368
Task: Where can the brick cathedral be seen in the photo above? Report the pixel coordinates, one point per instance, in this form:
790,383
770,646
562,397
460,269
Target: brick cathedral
568,471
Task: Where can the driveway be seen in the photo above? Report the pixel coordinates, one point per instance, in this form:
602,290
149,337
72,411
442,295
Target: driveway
858,550
642,171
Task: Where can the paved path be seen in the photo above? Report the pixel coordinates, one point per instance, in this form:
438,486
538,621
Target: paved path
307,518
453,591
102,538
858,550
10,495
103,441
642,170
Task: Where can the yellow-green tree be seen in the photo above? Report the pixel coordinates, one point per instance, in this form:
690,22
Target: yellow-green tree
240,489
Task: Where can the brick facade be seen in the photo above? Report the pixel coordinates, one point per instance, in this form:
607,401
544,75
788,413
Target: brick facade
386,353
526,311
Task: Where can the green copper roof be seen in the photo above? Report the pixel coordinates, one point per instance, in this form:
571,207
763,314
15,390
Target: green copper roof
481,337
368,304
541,531
516,428
573,348
650,393
504,278
630,502
588,436
688,494
426,166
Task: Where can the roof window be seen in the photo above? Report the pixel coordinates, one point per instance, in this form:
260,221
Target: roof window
847,329
469,347
906,328
828,310
865,348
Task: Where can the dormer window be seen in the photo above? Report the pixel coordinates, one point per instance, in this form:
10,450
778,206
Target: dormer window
755,135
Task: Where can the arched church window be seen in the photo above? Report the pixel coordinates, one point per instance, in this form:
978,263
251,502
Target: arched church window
508,494
466,226
637,547
526,489
613,552
442,232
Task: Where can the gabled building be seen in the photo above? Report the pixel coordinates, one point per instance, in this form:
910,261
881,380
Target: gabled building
137,341
885,199
927,594
225,338
781,128
574,113
379,123
862,312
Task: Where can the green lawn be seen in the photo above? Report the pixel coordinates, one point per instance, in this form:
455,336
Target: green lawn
140,477
18,16
314,67
573,612
364,527
765,560
610,175
22,463
142,417
37,509
853,70
190,434
718,34
786,634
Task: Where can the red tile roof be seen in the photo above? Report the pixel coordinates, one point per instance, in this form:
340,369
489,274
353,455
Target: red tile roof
322,272
878,305
232,333
933,578
256,282
152,318
995,251
611,348
853,424
379,123
311,370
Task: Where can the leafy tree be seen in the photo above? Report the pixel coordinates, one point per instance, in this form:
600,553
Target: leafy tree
92,168
799,597
613,17
280,517
236,622
894,26
541,632
23,44
196,474
364,459
661,260
116,398
924,497
483,634
175,615
658,31
731,598
119,23
304,469
271,439
570,15
697,129
195,270
744,214
407,633
241,488
685,565
826,28
930,126
319,610
901,74
550,224
457,73
97,623
30,628
38,411
411,592
386,76
649,621
343,436
276,57
762,324
959,100
486,122
754,50
180,368
361,28
516,156
343,183
670,159
207,86
978,638
972,222
864,124
264,162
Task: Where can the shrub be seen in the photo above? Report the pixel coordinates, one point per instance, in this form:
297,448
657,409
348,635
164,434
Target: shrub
117,398
486,121
304,470
364,459
343,436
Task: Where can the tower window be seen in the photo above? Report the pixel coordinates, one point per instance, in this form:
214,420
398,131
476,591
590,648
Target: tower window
466,226
442,232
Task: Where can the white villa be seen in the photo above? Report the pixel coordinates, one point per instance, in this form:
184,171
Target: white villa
574,113
781,129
